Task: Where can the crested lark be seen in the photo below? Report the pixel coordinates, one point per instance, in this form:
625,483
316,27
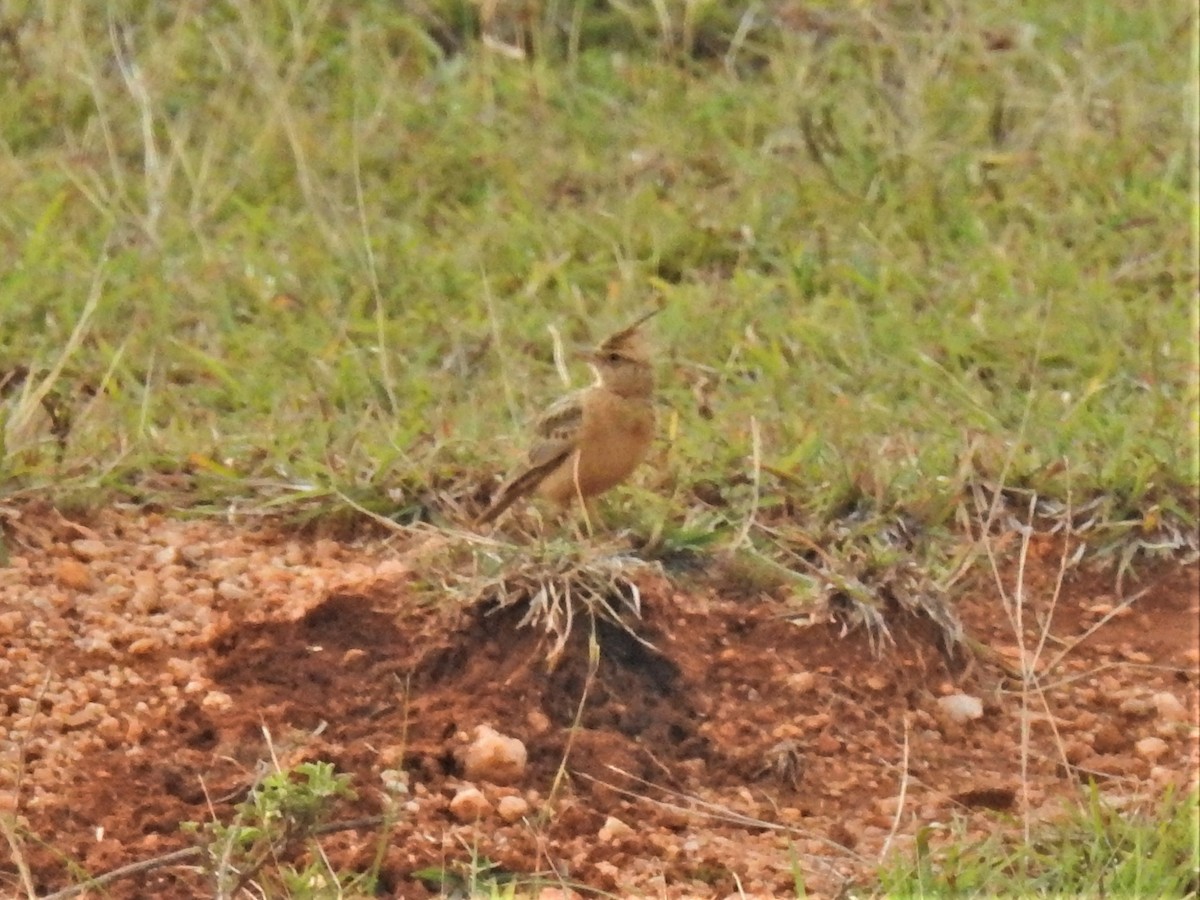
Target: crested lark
591,440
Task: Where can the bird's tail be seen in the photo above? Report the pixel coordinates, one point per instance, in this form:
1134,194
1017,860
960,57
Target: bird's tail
516,488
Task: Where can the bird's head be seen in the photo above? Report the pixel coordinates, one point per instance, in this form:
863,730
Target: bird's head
622,361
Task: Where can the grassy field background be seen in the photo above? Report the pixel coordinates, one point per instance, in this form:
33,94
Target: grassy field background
262,252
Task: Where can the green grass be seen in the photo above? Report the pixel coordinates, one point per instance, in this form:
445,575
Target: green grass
304,249
1096,852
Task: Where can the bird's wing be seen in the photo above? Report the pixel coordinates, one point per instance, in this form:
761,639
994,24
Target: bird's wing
557,430
557,434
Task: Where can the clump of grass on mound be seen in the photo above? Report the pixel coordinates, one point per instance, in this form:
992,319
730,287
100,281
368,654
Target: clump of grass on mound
560,585
865,573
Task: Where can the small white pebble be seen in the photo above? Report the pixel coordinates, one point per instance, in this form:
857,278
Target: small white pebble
512,809
395,781
1137,706
10,622
194,553
110,729
144,645
1151,748
89,550
90,713
1169,708
232,591
217,701
469,805
961,707
612,829
801,682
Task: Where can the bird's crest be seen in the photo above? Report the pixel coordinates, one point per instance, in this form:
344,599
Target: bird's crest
629,339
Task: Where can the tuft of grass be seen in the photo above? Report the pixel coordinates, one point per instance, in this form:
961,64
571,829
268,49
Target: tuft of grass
1097,850
560,585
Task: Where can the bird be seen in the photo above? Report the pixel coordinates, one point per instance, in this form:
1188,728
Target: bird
592,439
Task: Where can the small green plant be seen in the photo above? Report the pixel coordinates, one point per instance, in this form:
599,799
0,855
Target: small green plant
478,876
475,877
285,810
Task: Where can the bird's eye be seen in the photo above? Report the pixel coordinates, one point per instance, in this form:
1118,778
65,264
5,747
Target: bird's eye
613,357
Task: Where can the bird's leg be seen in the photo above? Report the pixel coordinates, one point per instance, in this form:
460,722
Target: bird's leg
577,526
583,503
593,515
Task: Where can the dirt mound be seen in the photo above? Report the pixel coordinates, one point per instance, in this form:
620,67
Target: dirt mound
741,745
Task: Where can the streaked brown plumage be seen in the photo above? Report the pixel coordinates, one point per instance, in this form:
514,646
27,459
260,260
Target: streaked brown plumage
591,440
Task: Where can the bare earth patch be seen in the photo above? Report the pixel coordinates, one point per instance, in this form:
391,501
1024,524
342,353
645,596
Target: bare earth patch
146,659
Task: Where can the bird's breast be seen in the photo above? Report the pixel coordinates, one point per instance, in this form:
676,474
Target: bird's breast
616,436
